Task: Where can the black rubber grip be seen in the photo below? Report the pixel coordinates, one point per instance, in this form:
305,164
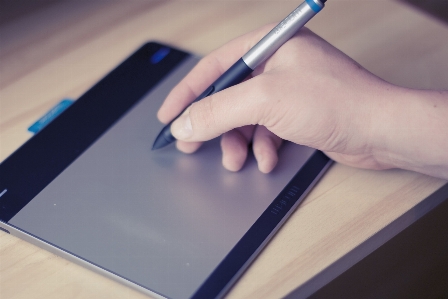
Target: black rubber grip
234,75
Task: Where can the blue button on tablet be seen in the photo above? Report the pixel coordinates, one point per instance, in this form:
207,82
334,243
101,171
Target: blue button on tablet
159,55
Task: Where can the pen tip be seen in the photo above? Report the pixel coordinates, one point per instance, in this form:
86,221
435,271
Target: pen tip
158,143
164,138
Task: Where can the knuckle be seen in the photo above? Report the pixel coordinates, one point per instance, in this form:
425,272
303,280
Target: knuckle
266,103
202,114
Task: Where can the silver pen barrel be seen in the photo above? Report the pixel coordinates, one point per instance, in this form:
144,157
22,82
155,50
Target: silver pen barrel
280,34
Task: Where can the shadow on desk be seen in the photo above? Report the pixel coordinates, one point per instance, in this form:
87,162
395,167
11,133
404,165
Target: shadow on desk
413,264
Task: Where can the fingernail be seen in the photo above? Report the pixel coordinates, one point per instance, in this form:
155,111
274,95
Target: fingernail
181,128
260,160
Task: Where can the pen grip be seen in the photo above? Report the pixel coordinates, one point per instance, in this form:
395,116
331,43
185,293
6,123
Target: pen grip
234,75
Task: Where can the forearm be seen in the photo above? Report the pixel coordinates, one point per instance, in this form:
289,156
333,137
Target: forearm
412,131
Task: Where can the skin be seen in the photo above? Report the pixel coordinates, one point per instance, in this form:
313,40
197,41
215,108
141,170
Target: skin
312,94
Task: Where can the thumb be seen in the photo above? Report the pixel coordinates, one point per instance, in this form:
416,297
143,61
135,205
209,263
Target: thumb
218,113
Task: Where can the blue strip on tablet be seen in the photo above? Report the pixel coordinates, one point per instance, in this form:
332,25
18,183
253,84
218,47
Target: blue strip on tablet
50,115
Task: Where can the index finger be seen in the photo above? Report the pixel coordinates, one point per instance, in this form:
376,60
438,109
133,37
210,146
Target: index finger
206,72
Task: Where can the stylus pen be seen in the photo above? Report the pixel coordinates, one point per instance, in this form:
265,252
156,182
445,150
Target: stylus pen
253,58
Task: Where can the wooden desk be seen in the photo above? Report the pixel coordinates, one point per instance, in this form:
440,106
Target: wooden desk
61,49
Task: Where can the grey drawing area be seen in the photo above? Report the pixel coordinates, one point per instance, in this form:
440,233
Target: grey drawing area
161,219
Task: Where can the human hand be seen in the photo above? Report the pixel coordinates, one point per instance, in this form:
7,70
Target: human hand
308,92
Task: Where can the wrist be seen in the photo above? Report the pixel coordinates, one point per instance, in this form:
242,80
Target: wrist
410,131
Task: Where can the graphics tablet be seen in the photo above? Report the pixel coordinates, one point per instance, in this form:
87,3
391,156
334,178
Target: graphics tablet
89,188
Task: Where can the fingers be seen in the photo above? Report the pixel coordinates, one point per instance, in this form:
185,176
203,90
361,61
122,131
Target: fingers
234,145
188,147
206,72
265,146
231,108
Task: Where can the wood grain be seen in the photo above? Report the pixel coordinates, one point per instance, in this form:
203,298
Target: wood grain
63,48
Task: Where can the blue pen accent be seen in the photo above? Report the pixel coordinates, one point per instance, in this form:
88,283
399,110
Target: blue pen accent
314,6
50,115
159,55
